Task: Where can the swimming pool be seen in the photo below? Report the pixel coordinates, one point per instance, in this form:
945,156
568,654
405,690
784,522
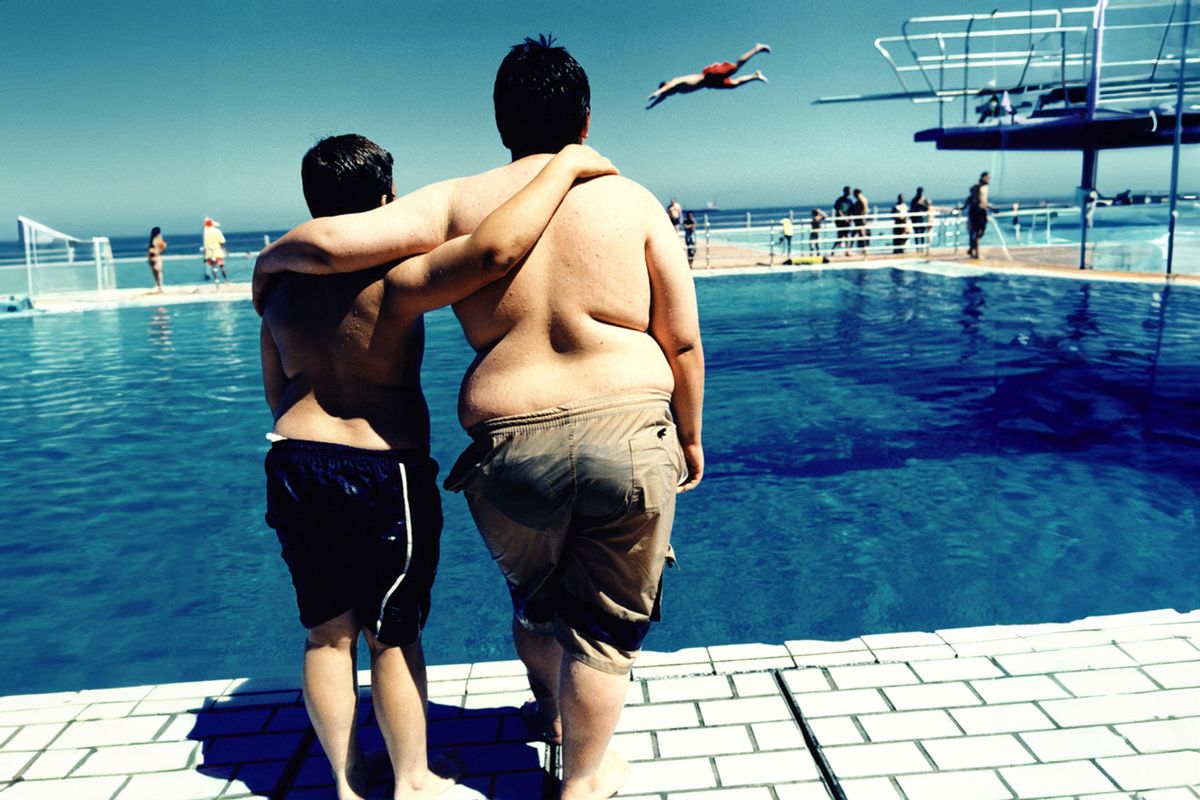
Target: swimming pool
888,450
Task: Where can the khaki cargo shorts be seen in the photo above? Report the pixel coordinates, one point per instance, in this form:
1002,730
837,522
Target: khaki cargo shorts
575,504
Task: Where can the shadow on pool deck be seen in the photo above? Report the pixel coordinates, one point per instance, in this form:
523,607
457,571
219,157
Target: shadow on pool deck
262,741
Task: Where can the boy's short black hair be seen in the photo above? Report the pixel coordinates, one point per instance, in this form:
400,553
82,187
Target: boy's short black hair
344,174
542,98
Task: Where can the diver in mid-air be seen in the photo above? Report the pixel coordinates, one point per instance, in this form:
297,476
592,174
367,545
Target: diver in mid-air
714,76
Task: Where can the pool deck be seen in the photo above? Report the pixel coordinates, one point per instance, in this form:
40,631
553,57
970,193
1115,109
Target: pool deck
68,302
730,260
1102,708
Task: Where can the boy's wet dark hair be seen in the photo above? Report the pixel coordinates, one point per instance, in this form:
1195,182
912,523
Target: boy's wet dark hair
542,98
345,174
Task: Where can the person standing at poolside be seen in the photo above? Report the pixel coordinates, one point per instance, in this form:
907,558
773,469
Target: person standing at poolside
977,214
714,76
674,212
860,224
351,489
814,234
154,254
587,358
786,237
841,219
689,237
214,251
919,213
901,225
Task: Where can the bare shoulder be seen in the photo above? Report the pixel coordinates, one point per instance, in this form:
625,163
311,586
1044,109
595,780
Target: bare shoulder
620,194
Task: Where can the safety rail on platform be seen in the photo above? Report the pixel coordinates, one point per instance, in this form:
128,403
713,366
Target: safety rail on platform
941,231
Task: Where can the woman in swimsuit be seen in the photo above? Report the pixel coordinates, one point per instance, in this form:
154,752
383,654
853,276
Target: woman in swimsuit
154,251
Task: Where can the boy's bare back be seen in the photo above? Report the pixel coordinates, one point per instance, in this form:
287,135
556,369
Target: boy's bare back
572,322
353,373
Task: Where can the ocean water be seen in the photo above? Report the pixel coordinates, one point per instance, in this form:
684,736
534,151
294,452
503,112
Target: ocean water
887,450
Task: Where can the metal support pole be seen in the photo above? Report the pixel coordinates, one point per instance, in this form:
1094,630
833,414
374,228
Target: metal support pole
707,260
1187,20
1088,181
30,256
99,264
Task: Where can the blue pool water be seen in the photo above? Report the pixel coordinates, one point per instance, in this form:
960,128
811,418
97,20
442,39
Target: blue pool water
888,450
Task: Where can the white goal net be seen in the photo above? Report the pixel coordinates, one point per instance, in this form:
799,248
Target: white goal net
55,262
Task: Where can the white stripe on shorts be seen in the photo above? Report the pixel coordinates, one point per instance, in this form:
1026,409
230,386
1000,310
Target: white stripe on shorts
408,534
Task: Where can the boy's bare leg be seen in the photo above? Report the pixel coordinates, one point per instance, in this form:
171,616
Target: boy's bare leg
542,656
331,697
591,703
757,76
752,52
399,692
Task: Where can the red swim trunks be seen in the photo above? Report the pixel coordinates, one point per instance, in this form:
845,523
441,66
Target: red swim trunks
719,73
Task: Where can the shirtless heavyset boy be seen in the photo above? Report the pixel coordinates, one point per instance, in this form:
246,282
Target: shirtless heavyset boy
351,490
582,356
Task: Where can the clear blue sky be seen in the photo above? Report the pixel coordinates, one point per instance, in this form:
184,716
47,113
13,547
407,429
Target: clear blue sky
123,115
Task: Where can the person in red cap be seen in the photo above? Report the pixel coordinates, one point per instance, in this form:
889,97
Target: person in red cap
214,251
714,76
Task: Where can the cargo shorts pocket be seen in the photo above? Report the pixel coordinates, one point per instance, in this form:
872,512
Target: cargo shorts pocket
465,468
656,462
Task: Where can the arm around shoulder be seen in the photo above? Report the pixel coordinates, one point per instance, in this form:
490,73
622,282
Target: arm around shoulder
465,265
414,223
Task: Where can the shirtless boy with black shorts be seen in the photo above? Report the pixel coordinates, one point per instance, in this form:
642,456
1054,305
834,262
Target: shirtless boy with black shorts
351,489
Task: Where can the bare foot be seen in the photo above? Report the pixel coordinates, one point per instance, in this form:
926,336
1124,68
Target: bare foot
366,770
762,48
604,782
443,773
546,728
758,74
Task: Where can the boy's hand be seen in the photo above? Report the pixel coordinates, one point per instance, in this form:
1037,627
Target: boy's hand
585,162
693,456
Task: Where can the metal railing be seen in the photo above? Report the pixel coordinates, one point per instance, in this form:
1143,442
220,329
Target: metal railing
1044,55
1121,237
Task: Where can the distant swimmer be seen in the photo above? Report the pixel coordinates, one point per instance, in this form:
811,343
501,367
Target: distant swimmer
214,251
861,225
675,212
689,236
714,76
154,254
921,215
902,225
814,236
841,219
977,207
786,238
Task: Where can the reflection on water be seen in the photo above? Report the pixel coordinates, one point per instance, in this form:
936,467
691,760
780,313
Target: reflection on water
886,451
160,328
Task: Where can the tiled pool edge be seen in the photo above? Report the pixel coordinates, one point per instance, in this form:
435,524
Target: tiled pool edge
1103,707
947,265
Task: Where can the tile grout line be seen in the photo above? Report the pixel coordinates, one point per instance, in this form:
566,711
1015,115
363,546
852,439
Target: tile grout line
551,773
810,739
294,765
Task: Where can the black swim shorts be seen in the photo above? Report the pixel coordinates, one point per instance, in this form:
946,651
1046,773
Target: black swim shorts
360,529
